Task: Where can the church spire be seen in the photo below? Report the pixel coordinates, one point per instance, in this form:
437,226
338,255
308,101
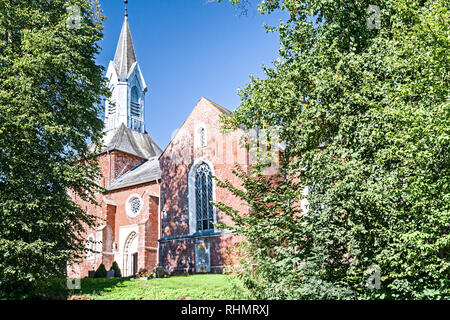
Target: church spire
125,54
126,106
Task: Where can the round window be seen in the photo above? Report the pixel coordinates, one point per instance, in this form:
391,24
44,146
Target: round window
134,206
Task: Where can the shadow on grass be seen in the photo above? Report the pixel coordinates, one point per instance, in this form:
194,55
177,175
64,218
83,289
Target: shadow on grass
209,287
98,286
57,289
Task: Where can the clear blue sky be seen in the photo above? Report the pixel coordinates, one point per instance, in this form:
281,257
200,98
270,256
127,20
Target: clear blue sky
188,49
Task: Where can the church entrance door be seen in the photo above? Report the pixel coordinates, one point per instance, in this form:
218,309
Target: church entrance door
130,255
134,262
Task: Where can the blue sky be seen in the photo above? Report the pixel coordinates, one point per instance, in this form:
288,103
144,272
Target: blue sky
188,49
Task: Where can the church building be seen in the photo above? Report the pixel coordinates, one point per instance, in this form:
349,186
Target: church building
190,240
157,209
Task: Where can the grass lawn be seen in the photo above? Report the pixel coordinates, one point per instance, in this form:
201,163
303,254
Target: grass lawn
195,287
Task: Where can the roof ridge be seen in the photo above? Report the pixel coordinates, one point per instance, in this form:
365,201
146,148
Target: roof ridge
218,106
146,171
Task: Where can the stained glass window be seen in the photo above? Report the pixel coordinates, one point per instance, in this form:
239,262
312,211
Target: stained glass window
134,206
203,198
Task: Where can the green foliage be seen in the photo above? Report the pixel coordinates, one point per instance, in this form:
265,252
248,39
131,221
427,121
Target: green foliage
100,272
50,101
365,117
117,272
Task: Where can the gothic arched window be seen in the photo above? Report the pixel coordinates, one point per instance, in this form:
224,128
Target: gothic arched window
203,197
90,248
202,137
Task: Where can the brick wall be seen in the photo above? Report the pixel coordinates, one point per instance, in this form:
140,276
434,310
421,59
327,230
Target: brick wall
223,152
114,164
146,221
111,213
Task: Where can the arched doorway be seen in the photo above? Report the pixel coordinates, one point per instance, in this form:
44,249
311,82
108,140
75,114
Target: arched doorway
130,255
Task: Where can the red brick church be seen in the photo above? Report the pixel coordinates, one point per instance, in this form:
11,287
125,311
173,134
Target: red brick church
157,209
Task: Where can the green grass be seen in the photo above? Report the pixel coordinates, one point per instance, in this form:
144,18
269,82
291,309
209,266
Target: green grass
195,287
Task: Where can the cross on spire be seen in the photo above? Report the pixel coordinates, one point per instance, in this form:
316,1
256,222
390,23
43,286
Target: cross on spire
126,9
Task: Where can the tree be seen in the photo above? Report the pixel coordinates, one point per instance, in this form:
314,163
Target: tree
117,272
360,95
50,95
101,272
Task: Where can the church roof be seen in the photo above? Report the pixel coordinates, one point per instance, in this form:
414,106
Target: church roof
127,140
125,55
146,171
220,108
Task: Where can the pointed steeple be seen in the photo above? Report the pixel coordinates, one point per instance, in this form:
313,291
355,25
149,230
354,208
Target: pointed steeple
125,54
127,102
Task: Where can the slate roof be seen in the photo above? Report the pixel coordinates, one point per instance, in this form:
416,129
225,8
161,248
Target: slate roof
126,140
125,55
144,172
